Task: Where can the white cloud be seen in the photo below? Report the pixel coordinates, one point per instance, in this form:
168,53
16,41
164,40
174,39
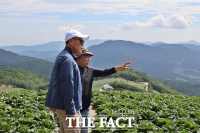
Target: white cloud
27,21
43,17
109,30
64,29
78,27
101,7
133,25
179,21
158,21
174,21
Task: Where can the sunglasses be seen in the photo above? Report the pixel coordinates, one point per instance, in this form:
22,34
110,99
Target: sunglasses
81,40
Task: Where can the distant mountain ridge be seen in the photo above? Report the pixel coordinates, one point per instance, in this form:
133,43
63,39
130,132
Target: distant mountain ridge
176,61
51,46
190,42
47,51
13,60
168,61
59,45
173,61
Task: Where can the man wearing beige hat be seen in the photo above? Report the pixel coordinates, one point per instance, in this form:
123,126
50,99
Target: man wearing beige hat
87,76
65,89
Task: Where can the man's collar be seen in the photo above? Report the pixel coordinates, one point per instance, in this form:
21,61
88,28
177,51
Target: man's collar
71,52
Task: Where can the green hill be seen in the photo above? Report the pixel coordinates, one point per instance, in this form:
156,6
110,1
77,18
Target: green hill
97,84
19,78
134,78
189,88
12,60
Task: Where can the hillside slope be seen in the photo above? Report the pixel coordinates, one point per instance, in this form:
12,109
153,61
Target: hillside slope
119,83
138,77
13,60
19,78
161,60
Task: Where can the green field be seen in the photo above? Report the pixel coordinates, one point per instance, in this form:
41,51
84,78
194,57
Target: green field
98,84
152,112
23,111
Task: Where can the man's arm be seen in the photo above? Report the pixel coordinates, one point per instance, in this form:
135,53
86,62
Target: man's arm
106,72
66,77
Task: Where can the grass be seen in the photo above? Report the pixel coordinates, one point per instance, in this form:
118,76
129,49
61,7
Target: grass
98,84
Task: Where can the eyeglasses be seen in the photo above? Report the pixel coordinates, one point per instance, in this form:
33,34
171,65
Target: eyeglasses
81,40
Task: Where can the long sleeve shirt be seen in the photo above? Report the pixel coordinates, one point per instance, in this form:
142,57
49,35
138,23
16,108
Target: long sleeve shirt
65,90
87,77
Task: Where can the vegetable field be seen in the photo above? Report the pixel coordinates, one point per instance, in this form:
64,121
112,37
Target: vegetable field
23,111
152,112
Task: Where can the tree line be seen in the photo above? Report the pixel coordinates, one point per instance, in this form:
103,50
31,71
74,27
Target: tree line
19,78
136,76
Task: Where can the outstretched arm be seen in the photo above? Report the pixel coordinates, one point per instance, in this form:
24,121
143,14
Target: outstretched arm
106,72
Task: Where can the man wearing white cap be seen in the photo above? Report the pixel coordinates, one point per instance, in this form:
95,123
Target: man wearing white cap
65,89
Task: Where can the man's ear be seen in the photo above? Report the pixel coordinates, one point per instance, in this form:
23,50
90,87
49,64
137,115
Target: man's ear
70,42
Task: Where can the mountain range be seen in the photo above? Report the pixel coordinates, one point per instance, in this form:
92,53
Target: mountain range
46,51
13,60
164,62
173,61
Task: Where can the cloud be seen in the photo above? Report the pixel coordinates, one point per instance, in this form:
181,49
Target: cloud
174,21
158,21
131,7
133,25
64,29
179,21
109,30
78,27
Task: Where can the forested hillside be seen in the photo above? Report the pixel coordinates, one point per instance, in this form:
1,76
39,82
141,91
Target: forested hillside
189,88
12,60
173,61
7,57
19,78
136,76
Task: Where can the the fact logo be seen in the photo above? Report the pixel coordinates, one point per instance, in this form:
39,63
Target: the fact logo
103,121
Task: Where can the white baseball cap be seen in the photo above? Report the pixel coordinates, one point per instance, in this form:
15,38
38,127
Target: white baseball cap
74,33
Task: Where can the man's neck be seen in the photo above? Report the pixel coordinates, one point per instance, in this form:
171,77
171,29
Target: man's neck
81,66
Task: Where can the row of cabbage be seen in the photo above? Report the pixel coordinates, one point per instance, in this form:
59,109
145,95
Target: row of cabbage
152,112
24,112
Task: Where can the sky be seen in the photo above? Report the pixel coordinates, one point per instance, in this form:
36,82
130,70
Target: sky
32,22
